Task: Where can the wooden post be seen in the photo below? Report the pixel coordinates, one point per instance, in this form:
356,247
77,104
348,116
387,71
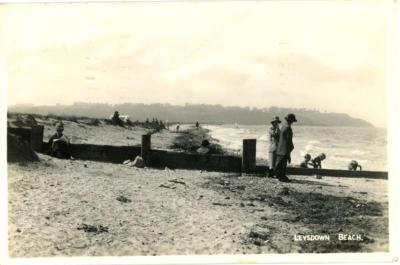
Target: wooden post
249,156
146,146
37,138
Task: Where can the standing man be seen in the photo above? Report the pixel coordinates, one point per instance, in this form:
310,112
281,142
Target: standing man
274,132
285,147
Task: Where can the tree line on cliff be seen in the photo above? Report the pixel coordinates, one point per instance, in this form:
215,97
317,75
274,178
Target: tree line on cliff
189,113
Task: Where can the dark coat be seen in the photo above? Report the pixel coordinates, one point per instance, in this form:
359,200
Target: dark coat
58,149
285,144
54,137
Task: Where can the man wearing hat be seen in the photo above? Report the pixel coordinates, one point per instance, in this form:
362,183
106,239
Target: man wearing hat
284,148
274,132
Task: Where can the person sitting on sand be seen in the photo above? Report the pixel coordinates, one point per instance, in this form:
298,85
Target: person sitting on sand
204,148
59,143
273,132
316,162
116,120
306,161
354,165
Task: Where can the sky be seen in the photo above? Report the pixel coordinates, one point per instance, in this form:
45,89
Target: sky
328,55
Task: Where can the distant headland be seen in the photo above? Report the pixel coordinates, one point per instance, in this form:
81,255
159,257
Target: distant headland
212,114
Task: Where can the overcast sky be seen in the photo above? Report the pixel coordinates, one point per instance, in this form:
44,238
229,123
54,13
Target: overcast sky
327,55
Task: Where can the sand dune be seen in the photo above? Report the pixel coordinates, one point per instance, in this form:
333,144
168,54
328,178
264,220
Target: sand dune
84,132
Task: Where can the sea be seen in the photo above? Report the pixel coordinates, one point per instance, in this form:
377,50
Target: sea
368,146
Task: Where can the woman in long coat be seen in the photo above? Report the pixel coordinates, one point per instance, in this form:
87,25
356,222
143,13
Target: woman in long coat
273,132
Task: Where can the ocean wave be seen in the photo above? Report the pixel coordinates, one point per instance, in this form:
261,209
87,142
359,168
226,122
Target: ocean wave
358,152
338,149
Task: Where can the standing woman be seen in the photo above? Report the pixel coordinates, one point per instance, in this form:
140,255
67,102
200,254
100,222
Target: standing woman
274,132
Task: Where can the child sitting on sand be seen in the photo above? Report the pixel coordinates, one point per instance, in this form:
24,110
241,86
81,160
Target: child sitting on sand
306,161
116,119
59,143
204,148
316,162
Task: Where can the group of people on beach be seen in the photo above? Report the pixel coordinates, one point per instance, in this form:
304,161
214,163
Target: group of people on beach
280,138
281,146
314,162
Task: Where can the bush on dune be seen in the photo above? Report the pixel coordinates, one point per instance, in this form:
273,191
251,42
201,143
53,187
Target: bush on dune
24,120
190,141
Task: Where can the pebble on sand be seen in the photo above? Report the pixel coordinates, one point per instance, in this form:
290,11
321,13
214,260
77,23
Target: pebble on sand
123,199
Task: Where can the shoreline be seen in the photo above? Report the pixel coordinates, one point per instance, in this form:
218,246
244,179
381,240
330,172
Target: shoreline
83,130
87,208
337,144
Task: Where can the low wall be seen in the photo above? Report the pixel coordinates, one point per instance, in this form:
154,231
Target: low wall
33,135
161,158
25,132
104,153
157,158
223,163
330,172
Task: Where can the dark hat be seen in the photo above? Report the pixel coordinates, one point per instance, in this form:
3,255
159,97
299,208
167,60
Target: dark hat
276,119
291,117
205,143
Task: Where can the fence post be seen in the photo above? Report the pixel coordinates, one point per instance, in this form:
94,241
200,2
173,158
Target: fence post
37,138
146,146
249,156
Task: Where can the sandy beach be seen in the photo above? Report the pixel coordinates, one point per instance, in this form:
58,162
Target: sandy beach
178,212
85,208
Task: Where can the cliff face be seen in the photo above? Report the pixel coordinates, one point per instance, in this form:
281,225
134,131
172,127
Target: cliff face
195,112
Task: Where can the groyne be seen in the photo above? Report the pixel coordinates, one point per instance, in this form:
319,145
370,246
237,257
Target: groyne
246,163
